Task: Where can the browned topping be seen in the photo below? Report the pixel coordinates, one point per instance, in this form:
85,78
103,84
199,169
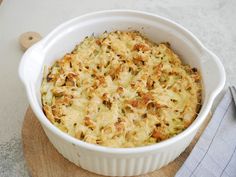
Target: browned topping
119,126
58,91
114,72
107,104
57,111
105,96
157,70
144,115
194,69
51,77
89,123
69,83
141,47
98,42
101,80
141,102
48,111
197,77
134,103
72,76
139,60
146,97
150,83
121,90
65,100
79,134
158,134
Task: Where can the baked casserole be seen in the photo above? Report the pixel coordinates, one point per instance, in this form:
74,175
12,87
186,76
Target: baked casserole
121,90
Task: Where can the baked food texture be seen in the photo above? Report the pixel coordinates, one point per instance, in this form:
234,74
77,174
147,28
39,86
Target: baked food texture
121,90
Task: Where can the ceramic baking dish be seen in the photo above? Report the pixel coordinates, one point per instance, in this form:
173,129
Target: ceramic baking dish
120,161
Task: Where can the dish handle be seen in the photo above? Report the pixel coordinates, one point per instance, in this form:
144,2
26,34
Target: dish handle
30,64
214,74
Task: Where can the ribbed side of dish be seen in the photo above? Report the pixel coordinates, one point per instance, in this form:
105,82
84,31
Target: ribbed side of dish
116,165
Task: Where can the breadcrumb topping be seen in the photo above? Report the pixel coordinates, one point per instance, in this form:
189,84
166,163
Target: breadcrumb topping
121,90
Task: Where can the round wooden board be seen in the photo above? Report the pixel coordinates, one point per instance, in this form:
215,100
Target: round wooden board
43,159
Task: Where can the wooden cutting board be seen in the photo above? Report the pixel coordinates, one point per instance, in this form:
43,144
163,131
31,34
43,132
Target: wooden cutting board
43,160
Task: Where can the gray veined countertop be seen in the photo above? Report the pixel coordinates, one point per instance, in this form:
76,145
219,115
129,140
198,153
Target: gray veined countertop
213,22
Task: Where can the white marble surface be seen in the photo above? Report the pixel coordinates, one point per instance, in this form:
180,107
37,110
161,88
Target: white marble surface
212,21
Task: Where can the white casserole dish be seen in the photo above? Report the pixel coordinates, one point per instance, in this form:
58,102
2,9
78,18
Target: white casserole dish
120,161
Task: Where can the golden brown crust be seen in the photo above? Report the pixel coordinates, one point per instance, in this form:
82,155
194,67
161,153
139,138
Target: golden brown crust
121,90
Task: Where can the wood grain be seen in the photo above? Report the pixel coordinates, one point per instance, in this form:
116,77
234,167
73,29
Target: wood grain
43,160
27,39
